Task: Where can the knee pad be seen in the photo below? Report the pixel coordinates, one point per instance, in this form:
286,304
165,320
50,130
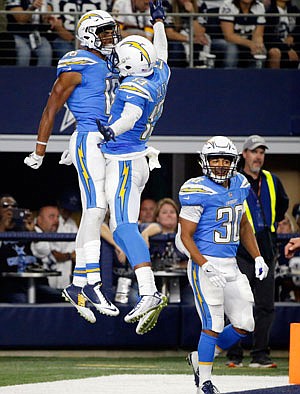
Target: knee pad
246,323
128,237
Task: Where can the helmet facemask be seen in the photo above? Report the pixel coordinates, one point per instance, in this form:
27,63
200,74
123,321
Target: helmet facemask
219,147
100,43
97,30
219,174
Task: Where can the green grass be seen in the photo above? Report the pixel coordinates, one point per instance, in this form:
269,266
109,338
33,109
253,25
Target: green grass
24,369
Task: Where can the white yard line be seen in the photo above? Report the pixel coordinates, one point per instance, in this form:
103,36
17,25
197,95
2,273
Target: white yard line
145,384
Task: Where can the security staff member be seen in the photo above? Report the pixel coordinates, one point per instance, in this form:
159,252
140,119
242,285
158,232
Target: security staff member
266,205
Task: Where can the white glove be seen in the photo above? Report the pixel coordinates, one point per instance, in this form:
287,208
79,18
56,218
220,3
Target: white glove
65,158
33,160
261,268
214,275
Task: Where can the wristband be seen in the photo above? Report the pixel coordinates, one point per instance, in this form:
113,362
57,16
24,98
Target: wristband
41,143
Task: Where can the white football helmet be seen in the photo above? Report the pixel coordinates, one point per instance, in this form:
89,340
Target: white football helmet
91,24
134,55
219,147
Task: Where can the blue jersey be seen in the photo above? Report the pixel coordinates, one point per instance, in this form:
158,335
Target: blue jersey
147,93
91,99
217,232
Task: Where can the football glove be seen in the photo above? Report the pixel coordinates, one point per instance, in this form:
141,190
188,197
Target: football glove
157,11
106,131
33,160
261,268
65,158
214,275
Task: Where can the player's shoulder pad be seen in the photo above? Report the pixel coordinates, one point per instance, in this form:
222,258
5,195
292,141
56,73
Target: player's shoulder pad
195,191
243,181
136,86
75,61
162,65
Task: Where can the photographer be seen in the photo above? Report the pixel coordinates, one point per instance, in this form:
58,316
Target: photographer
14,255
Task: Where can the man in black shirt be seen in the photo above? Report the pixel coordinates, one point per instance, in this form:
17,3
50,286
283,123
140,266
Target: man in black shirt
266,205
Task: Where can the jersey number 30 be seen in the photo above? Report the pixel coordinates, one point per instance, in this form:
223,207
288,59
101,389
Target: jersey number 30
231,224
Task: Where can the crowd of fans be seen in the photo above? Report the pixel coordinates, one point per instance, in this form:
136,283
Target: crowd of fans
234,33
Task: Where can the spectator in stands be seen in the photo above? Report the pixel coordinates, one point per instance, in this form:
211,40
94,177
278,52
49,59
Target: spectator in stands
29,32
266,205
282,35
164,254
131,24
7,41
286,225
178,33
48,221
68,204
165,219
222,49
147,209
63,25
16,256
246,32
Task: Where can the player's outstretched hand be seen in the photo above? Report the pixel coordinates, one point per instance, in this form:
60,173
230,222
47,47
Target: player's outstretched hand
107,132
65,158
214,275
33,160
157,11
261,268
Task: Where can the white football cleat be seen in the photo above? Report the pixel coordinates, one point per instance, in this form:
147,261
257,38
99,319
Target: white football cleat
147,303
93,294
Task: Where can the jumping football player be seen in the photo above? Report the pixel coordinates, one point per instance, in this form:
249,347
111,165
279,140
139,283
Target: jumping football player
86,84
137,107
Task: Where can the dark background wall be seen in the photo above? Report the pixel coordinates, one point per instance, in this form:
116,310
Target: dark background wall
199,102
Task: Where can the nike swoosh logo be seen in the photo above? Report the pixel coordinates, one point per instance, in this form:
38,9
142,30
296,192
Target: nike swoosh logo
186,198
129,97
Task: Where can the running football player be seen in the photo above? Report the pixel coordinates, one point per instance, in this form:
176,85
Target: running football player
212,223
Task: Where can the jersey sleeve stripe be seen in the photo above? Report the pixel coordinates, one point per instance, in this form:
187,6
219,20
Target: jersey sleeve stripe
136,90
75,61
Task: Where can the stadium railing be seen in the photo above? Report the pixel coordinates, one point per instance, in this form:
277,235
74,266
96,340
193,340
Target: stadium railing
207,57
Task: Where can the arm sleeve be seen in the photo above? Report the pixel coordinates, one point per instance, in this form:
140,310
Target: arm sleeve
130,114
282,201
160,41
191,213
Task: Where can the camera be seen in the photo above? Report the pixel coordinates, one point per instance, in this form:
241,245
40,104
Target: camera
19,214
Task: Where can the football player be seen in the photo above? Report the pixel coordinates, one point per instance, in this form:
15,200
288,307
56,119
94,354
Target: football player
86,84
212,223
137,107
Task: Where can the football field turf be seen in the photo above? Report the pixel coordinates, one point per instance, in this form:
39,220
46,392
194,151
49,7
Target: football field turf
32,367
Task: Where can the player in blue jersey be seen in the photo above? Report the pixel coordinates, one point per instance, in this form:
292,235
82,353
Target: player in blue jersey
86,84
212,223
137,107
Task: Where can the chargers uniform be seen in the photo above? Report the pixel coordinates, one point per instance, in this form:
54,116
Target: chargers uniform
218,212
127,170
89,101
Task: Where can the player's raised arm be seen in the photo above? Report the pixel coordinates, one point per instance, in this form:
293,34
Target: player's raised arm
160,39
